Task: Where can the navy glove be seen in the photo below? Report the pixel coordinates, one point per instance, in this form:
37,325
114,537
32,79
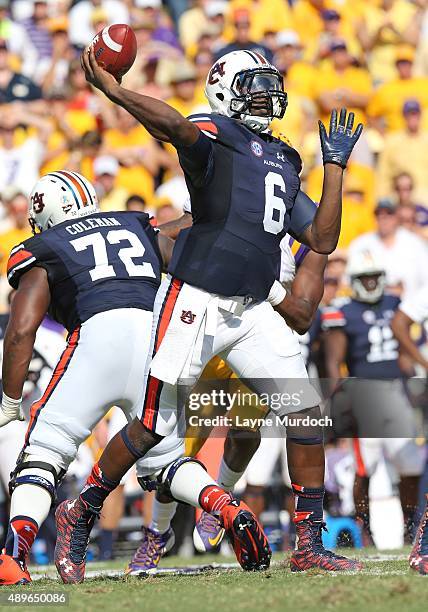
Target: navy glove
337,146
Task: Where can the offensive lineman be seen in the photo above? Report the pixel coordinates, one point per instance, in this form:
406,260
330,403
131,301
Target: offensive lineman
97,274
245,195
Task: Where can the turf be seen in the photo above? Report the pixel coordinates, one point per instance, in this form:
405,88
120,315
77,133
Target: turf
385,585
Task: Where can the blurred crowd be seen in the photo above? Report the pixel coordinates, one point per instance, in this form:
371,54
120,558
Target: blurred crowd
370,56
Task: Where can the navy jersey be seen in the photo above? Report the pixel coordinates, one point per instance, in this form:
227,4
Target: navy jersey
102,262
372,348
245,195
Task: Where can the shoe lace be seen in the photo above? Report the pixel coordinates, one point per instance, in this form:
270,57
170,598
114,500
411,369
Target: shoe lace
209,523
149,547
80,534
316,539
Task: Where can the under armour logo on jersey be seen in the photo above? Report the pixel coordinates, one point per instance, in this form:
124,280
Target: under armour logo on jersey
280,156
217,69
37,202
187,316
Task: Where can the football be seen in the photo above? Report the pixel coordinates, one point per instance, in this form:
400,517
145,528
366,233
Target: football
115,49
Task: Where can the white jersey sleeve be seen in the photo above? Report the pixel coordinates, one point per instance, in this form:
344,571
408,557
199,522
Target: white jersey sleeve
416,307
288,263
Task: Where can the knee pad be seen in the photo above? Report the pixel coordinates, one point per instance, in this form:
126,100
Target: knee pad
170,471
304,427
36,479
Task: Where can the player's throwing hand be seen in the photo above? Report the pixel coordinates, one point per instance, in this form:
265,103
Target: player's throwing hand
97,76
337,145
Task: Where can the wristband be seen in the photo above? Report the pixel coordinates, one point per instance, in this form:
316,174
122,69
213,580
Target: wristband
9,405
276,294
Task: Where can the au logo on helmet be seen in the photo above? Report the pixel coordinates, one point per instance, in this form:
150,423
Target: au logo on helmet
217,69
37,202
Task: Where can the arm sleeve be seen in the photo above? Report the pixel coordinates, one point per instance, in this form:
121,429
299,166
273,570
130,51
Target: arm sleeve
417,307
302,214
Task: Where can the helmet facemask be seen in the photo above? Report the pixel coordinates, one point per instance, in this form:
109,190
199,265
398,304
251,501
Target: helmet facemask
369,287
258,97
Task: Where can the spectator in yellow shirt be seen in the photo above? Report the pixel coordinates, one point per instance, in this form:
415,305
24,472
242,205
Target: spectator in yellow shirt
300,75
339,84
319,48
266,16
357,215
405,151
16,205
110,195
386,106
386,24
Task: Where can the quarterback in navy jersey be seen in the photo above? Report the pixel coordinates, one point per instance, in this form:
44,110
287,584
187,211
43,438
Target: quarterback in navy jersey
222,297
359,335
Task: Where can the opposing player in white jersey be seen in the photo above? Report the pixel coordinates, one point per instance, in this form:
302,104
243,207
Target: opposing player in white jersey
97,274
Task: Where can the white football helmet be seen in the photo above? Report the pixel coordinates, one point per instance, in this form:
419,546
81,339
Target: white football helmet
245,86
61,196
364,264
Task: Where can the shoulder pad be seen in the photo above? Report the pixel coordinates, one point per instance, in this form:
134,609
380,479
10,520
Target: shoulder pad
215,126
22,258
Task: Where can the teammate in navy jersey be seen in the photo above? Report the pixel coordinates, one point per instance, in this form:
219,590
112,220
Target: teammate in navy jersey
245,194
97,274
359,335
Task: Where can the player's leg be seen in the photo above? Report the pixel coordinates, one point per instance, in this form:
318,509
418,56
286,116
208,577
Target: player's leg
263,359
408,459
418,559
188,481
80,392
367,455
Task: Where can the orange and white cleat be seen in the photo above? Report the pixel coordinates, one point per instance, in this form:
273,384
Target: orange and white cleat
12,571
246,536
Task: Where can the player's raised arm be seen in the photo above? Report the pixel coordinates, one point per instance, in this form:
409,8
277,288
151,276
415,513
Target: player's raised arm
161,120
301,302
322,235
29,305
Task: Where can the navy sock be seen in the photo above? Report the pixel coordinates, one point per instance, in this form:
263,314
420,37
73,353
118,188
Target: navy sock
97,488
105,544
308,503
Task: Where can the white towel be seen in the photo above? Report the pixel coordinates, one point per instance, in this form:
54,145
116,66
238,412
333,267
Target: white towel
186,320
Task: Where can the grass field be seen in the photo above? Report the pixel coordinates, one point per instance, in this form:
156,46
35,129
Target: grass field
385,585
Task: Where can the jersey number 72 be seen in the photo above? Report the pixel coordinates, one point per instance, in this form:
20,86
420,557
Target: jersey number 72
103,269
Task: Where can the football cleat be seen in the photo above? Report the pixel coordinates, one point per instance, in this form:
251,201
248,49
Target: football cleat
153,547
246,536
310,552
208,533
74,522
418,559
13,571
